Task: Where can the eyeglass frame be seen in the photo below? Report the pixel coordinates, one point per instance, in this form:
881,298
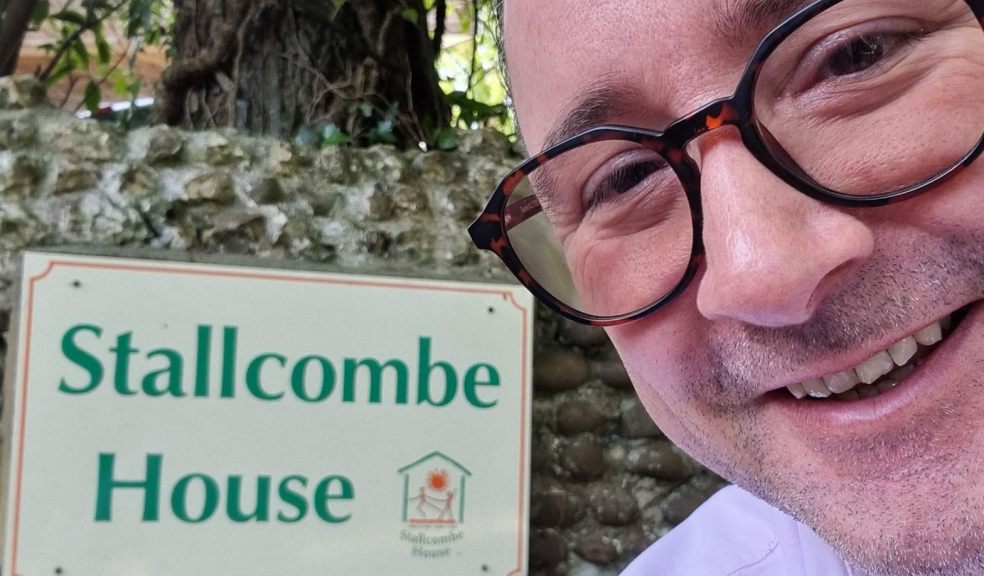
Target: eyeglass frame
489,230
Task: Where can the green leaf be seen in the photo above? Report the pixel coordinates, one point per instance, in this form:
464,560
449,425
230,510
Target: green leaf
410,15
153,35
472,110
125,83
81,53
93,5
40,14
121,84
383,133
447,139
64,68
332,135
103,49
93,95
338,3
70,16
140,15
465,13
306,136
365,109
133,90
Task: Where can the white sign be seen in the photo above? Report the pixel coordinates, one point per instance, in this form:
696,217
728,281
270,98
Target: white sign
170,419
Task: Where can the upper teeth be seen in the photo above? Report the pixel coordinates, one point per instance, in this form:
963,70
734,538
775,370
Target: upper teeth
873,368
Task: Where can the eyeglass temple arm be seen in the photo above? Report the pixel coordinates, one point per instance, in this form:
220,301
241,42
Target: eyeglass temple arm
521,211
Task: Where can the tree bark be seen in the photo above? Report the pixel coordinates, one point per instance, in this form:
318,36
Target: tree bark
16,17
275,66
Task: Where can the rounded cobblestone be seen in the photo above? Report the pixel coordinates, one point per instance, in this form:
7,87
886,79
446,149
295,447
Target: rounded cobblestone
584,459
558,370
579,416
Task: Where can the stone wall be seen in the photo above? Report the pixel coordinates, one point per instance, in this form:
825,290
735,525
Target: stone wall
605,480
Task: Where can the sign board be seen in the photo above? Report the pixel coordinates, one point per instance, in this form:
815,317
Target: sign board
172,418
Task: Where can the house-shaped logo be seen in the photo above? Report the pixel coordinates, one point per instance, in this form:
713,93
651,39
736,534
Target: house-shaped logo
434,491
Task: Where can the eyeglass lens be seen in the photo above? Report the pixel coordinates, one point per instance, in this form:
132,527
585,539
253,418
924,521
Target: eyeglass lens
867,97
870,97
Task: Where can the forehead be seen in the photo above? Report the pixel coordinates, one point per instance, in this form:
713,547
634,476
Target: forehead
663,56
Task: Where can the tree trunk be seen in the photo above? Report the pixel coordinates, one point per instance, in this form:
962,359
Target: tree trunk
275,66
15,19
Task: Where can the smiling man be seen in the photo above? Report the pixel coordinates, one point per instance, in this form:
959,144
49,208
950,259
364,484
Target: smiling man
773,207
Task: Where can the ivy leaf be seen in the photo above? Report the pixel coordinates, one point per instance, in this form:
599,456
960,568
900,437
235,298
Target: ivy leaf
383,133
446,139
410,15
332,135
472,111
93,95
306,136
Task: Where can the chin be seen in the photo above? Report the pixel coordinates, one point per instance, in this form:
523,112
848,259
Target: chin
924,543
913,506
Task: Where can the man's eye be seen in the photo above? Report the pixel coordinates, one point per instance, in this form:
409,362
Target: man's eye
862,53
859,56
856,55
621,180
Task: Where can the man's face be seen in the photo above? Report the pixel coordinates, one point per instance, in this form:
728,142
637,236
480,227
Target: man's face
792,289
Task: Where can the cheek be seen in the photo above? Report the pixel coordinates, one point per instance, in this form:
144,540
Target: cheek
667,358
658,356
956,205
950,209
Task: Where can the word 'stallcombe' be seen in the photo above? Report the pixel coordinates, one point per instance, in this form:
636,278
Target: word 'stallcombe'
268,376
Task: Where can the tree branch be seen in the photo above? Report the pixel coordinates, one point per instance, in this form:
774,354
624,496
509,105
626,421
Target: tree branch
440,25
474,52
109,72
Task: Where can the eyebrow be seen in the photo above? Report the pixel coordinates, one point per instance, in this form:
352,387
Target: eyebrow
740,21
605,98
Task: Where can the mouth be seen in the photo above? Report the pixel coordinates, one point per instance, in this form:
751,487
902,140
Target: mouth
882,371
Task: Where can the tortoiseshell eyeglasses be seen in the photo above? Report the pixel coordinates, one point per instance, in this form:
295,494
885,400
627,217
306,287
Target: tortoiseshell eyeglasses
852,102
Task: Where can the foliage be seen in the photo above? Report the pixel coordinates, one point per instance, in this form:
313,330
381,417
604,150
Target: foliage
470,78
470,75
467,67
82,51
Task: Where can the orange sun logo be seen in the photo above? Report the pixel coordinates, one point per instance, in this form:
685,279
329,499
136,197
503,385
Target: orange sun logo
437,480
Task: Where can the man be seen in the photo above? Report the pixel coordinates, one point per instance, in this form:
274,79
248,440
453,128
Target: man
792,276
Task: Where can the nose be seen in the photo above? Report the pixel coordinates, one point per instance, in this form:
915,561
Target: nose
772,253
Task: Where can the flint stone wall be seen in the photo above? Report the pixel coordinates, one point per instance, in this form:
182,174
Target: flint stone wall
606,482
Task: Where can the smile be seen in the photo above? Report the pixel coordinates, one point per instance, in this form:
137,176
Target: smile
882,371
